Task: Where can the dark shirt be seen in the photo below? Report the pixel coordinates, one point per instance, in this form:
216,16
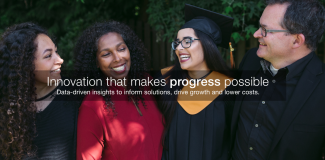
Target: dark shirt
260,115
56,128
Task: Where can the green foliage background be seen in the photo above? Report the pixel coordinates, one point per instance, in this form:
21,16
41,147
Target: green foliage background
66,19
246,15
167,16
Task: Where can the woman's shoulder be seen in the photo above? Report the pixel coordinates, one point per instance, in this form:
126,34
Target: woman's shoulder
92,101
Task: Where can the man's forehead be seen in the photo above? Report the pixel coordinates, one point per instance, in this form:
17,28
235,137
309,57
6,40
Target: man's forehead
273,15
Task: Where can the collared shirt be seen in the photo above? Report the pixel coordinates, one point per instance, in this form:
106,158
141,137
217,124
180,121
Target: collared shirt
274,70
260,115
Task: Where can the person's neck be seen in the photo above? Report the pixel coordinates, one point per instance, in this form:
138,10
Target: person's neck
118,82
284,62
43,89
198,74
279,65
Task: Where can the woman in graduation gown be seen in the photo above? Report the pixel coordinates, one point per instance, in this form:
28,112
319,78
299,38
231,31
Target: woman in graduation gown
198,126
116,125
35,122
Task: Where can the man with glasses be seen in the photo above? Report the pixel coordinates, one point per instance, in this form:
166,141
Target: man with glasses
286,120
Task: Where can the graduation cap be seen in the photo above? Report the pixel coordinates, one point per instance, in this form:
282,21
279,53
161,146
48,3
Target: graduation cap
217,26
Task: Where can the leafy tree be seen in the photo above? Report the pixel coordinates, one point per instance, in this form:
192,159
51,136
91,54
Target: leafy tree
170,17
65,19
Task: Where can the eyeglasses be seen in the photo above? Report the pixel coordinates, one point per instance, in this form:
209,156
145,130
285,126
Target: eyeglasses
186,42
264,31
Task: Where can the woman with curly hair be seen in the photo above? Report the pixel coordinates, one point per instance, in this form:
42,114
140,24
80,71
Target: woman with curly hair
35,122
116,125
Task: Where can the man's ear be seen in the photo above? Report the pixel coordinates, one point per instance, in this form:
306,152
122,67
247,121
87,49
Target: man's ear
299,40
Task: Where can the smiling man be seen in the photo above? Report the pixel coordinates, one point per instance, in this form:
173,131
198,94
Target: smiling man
286,120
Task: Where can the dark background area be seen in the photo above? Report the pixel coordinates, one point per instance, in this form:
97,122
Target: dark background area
156,22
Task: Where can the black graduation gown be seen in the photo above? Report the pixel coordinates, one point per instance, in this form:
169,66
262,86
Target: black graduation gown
203,136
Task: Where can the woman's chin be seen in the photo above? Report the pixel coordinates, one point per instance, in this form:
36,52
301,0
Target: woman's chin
121,76
185,67
56,77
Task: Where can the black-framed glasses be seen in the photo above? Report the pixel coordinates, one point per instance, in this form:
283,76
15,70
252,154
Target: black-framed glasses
186,42
264,31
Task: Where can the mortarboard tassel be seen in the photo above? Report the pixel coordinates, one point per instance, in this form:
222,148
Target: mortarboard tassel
232,62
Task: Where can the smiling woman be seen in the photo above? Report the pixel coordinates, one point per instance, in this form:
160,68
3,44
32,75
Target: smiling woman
113,56
47,62
35,123
197,124
124,126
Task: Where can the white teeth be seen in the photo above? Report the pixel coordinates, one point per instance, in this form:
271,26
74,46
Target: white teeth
185,57
57,70
120,68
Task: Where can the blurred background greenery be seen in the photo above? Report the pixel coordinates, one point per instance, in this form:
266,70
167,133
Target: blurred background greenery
155,21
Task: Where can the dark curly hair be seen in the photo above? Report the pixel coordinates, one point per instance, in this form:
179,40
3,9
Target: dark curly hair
304,16
85,57
17,90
